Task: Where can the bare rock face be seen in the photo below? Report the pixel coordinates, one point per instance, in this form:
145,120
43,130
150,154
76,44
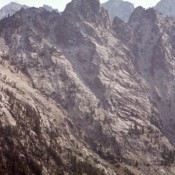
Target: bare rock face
79,19
154,49
87,10
82,95
123,31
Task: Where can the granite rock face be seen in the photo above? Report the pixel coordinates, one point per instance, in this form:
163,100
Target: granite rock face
81,94
154,51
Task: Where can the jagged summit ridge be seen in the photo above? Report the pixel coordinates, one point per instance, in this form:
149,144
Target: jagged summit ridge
89,10
94,5
142,13
80,16
49,8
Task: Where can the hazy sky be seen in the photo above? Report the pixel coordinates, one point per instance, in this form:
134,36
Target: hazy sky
60,4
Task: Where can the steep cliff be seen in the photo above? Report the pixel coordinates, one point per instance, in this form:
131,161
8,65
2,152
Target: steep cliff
83,95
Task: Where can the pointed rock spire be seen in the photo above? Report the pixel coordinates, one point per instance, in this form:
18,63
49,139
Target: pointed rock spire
89,10
140,13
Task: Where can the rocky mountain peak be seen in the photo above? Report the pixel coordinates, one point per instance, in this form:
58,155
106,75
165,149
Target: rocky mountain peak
49,8
14,7
92,5
82,16
13,3
137,14
141,14
119,8
86,9
10,9
152,14
166,7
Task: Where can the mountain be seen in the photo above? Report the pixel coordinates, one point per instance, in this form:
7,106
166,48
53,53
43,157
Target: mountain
154,51
166,7
81,94
10,9
13,7
49,8
119,8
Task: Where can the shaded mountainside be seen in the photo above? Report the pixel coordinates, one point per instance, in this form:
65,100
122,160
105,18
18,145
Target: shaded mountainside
82,95
119,8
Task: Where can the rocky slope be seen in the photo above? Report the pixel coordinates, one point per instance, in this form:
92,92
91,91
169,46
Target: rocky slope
119,8
166,7
82,95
